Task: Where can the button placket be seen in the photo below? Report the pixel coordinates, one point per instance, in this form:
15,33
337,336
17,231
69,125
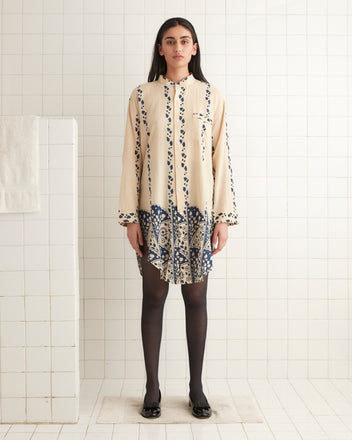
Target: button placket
178,192
177,151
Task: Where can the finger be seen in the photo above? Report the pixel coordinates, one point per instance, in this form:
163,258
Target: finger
219,248
222,242
140,237
215,251
136,246
214,239
138,250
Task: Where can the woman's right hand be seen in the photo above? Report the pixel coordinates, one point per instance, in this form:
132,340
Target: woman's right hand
134,235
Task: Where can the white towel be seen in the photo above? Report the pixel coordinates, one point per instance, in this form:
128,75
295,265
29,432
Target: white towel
19,163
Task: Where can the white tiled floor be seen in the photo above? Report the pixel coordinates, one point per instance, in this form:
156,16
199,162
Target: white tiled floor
296,409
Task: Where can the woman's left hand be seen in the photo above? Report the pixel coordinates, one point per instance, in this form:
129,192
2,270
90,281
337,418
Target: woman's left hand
220,234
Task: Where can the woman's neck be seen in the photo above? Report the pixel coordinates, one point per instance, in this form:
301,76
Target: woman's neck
176,76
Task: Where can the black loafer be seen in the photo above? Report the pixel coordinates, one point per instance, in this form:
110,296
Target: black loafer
151,409
200,410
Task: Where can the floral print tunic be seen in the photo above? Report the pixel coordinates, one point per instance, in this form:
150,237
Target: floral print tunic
177,178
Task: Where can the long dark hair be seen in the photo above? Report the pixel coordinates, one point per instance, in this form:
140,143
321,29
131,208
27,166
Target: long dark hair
159,66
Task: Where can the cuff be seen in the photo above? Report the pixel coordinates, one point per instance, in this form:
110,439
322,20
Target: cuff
226,217
124,218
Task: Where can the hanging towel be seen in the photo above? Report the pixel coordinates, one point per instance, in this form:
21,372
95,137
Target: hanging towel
19,164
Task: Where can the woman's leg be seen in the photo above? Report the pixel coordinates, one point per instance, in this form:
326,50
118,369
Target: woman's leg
194,296
155,291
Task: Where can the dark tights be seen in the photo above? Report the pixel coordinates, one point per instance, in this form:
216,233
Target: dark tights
155,291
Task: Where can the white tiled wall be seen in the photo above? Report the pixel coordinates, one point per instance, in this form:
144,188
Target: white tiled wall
39,303
279,301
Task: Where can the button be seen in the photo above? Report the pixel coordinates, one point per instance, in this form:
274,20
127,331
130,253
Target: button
179,166
179,189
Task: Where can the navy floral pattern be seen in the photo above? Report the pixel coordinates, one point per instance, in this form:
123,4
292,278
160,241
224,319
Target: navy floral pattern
177,177
188,257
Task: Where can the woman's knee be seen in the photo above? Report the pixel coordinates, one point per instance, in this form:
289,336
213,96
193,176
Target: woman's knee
155,296
194,296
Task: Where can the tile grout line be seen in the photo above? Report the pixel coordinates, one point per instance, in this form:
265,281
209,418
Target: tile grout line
124,239
82,320
308,263
1,103
267,360
246,177
25,348
104,200
328,309
287,201
226,268
349,298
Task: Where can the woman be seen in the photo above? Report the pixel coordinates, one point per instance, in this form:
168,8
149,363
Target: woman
177,196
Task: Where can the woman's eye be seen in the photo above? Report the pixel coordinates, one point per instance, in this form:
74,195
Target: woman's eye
172,42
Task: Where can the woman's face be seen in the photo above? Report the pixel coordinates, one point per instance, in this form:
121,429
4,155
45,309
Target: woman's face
177,47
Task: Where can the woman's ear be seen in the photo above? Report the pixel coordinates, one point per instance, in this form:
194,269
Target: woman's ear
195,48
160,50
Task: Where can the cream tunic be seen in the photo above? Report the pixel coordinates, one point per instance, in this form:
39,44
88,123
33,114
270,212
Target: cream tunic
177,178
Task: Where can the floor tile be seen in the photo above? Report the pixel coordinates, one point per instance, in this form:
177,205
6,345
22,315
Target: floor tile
297,409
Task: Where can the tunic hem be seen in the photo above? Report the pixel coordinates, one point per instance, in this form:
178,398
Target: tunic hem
165,277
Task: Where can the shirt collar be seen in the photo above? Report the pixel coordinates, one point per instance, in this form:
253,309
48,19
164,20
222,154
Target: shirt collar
184,82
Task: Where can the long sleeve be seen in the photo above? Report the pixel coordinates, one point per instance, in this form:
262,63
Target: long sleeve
131,165
224,204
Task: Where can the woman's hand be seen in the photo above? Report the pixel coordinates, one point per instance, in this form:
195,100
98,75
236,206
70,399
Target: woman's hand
220,234
134,235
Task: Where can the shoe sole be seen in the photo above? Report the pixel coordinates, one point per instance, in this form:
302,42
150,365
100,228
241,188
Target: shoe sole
151,417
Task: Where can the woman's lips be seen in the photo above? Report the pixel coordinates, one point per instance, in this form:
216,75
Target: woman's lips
178,57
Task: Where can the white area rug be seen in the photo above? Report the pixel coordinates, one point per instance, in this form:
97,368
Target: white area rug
175,409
